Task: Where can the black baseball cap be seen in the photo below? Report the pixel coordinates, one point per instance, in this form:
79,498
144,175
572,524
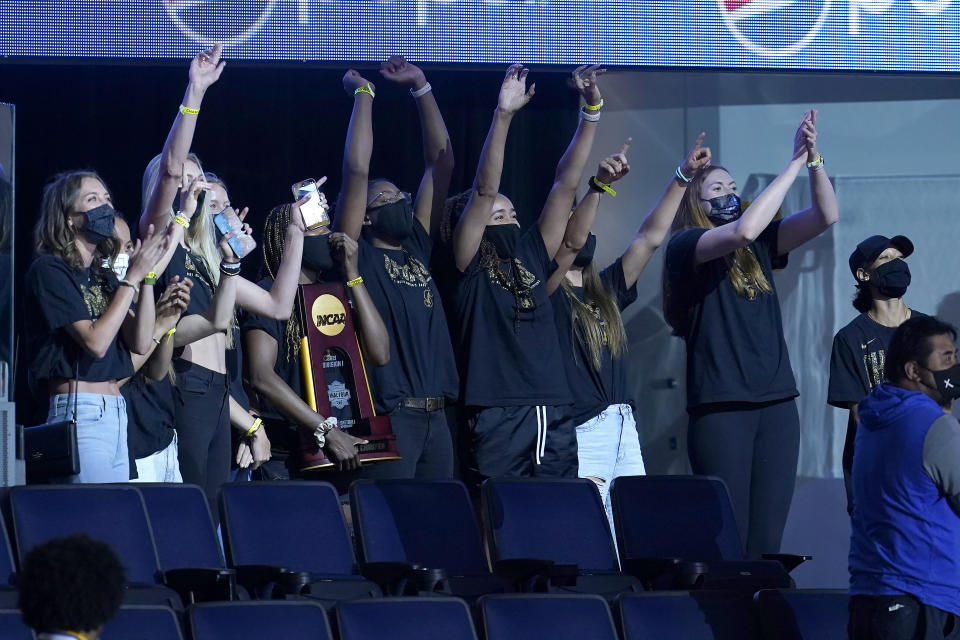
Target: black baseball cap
868,250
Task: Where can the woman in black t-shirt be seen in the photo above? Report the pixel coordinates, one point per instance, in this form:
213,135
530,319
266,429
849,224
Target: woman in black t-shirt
396,236
512,374
79,325
719,295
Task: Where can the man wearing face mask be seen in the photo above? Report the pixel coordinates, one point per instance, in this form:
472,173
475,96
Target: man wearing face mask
905,535
859,349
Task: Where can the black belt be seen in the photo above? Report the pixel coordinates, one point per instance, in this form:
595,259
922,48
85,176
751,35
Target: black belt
427,404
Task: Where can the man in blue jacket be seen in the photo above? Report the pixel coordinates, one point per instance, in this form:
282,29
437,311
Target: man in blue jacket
905,541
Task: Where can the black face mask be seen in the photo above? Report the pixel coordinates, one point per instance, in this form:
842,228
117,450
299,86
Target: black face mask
893,278
504,238
585,256
316,253
200,200
395,220
947,382
724,209
99,225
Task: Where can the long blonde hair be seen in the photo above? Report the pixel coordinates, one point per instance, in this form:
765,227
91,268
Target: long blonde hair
743,268
597,318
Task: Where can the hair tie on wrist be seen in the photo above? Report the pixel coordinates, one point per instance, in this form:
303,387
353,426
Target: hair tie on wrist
682,177
422,91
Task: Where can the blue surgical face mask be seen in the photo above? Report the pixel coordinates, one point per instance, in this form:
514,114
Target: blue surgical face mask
724,209
100,222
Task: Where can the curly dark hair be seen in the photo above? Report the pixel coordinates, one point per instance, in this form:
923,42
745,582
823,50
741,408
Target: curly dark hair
73,583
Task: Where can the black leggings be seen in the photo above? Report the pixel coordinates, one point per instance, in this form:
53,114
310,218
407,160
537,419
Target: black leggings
754,448
203,428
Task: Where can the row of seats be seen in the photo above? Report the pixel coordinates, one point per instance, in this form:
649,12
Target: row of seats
412,537
724,615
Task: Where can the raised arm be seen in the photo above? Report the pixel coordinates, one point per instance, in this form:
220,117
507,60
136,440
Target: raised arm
352,202
372,330
556,210
138,329
809,223
437,151
727,238
277,303
172,304
610,170
476,214
205,69
655,227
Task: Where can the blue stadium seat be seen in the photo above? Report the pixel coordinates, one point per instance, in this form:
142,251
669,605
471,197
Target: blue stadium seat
428,523
143,623
800,614
686,518
694,615
405,619
187,541
8,593
12,627
537,616
114,514
557,521
290,538
264,619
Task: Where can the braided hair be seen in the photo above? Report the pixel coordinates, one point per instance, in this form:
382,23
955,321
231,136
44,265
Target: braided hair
274,237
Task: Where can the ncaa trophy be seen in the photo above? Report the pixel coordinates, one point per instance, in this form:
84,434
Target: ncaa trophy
335,379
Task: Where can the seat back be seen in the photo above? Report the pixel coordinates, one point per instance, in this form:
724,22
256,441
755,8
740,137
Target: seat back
405,619
302,521
427,522
555,519
114,514
259,619
182,526
143,623
695,615
7,566
546,617
687,517
800,614
12,627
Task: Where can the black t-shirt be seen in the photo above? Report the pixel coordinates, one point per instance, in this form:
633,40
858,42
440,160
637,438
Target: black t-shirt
422,364
857,360
593,391
57,296
151,417
342,401
507,340
234,362
735,346
186,265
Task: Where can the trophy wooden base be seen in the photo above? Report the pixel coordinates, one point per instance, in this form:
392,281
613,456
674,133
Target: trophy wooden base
381,446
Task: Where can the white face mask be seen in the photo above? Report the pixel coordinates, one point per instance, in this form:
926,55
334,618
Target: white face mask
120,264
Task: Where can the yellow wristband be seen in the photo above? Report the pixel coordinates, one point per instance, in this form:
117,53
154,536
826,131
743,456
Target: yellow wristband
816,163
365,89
183,222
171,332
594,107
355,282
256,427
188,111
150,278
605,187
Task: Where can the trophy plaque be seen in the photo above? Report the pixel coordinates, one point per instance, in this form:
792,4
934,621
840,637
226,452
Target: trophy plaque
335,379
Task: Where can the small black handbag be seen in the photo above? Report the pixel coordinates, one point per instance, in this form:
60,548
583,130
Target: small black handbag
50,450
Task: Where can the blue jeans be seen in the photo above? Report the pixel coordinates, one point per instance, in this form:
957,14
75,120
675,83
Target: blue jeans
101,435
608,446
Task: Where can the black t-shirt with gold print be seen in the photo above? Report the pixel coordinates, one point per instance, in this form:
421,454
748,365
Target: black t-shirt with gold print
57,296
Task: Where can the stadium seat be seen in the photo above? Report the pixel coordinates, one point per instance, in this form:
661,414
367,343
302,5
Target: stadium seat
540,616
259,621
680,532
795,614
8,593
551,534
290,538
693,615
114,514
143,623
187,540
12,627
428,524
405,619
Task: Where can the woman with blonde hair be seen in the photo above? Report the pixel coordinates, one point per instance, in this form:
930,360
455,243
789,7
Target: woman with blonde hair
719,295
